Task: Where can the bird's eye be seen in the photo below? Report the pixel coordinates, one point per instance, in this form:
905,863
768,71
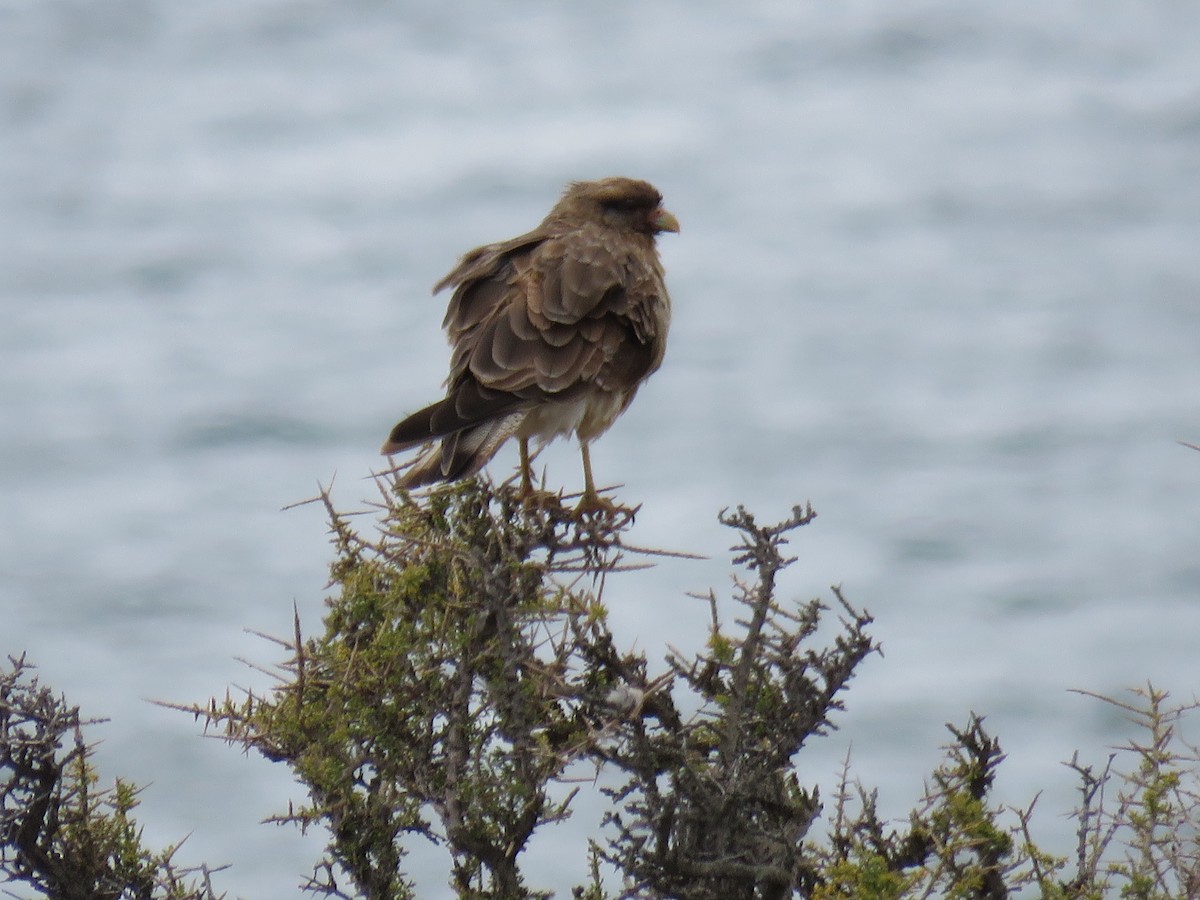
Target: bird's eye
622,204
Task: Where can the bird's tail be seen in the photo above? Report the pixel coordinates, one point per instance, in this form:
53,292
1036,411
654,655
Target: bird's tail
457,455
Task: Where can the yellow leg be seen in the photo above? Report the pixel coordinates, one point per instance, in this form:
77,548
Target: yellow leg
592,504
526,476
589,487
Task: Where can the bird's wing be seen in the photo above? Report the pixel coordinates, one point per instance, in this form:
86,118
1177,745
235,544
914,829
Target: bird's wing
555,318
480,278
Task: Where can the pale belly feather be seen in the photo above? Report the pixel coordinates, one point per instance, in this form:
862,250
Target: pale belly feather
587,416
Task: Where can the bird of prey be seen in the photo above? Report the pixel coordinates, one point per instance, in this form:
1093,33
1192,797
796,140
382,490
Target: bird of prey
551,333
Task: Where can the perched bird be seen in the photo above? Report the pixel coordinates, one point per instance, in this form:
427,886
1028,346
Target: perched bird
551,333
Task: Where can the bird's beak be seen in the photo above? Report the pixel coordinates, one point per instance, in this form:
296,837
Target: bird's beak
664,221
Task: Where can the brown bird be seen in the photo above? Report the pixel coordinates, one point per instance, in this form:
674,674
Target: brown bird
552,333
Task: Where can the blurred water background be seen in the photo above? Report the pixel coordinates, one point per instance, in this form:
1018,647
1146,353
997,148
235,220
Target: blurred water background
938,274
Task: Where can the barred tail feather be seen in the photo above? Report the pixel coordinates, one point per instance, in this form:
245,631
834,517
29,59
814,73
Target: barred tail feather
458,455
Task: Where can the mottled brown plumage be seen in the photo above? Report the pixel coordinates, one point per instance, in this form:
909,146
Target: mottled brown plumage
551,333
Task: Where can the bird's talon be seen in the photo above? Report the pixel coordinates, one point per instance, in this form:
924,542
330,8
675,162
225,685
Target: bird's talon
593,506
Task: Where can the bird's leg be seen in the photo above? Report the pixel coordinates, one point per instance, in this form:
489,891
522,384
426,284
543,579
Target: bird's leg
589,487
591,501
526,477
592,504
531,497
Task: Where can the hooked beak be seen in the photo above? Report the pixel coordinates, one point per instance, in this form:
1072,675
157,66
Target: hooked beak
662,220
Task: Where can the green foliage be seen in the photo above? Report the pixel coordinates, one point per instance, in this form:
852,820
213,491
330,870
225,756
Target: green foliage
710,806
424,710
58,832
1155,818
466,672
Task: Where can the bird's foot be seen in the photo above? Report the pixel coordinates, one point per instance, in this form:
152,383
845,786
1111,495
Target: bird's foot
592,506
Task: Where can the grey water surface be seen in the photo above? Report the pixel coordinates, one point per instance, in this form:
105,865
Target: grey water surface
938,274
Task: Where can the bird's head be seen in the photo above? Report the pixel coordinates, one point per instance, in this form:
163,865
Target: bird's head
624,203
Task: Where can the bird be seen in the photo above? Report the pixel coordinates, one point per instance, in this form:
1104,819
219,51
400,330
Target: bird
551,334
